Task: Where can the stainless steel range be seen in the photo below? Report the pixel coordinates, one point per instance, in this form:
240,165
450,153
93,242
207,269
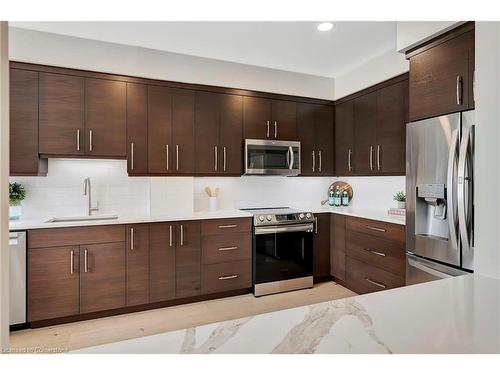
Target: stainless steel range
282,250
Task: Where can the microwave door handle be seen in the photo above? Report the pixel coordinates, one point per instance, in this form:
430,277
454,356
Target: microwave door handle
290,151
463,188
450,196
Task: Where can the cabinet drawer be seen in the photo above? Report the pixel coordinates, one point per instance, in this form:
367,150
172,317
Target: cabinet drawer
389,255
363,278
225,226
226,276
388,231
75,236
226,248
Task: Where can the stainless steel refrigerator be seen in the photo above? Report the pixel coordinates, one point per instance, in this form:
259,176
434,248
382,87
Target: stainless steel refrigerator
440,191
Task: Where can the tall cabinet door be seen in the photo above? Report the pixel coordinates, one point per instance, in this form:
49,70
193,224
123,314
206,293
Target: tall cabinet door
231,134
105,117
391,128
321,251
187,259
137,256
159,130
344,138
102,277
257,118
207,120
53,284
284,120
324,121
162,261
306,131
61,114
137,128
338,246
183,131
365,129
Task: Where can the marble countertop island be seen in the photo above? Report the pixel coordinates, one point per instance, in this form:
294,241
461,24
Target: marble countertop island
455,315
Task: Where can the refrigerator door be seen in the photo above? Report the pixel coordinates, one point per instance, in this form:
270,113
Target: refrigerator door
420,270
432,150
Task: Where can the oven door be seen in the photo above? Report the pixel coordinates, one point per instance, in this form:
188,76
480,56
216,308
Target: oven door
264,157
283,252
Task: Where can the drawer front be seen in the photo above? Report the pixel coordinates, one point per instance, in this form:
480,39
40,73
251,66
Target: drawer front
363,278
389,231
38,238
226,276
222,248
377,251
224,226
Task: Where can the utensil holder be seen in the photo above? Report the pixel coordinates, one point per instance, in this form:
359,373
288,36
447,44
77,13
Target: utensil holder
212,203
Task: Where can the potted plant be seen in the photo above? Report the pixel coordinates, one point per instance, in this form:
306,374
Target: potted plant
16,195
400,197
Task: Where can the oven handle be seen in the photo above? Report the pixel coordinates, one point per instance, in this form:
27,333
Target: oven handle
285,229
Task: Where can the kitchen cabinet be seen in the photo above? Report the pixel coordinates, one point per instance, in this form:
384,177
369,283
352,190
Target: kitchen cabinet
218,134
137,256
315,129
365,132
442,74
269,119
137,129
183,131
24,158
187,259
344,138
321,250
162,262
338,246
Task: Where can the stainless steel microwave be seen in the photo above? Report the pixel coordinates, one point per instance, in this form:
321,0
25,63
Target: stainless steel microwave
266,157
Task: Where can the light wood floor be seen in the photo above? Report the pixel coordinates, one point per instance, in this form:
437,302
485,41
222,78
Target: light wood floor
78,335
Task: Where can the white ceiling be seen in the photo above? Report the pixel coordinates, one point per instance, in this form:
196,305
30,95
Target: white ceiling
292,46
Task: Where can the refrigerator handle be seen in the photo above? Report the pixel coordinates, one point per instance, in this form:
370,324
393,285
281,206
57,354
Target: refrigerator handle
450,187
464,190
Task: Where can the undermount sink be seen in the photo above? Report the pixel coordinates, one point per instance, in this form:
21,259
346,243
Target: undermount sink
81,218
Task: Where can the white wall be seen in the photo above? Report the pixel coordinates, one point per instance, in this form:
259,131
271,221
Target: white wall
411,33
52,49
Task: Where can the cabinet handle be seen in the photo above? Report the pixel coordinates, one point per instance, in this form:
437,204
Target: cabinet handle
228,226
90,141
267,123
228,248
276,130
176,157
215,158
314,161
182,235
316,225
375,252
171,237
85,261
371,158
378,157
167,157
459,90
131,238
224,158
77,139
380,285
320,161
132,156
375,229
349,154
71,262
228,277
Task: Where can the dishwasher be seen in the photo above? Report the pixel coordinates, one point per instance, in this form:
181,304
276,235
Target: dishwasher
17,279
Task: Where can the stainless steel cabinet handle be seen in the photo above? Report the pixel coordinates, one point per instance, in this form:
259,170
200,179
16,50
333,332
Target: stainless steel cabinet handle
320,161
71,262
380,285
77,139
85,261
375,252
182,235
349,154
228,248
228,226
132,156
316,225
167,157
228,277
176,157
276,129
376,229
314,161
90,140
378,157
131,238
371,158
215,158
224,158
459,90
267,123
171,238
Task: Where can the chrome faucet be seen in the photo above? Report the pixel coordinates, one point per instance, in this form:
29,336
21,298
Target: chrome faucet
87,191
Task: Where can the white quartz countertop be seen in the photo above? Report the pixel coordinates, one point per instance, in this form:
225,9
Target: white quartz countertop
366,213
455,315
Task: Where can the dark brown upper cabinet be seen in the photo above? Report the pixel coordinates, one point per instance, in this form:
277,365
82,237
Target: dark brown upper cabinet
365,131
315,130
137,129
344,138
24,158
218,134
269,119
442,74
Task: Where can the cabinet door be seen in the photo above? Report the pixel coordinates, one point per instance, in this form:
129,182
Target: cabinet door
61,113
439,79
53,284
183,131
187,259
391,129
472,67
160,130
344,138
257,118
306,131
105,117
338,246
324,121
321,253
162,262
207,121
284,120
137,129
102,277
231,135
137,264
24,124
365,130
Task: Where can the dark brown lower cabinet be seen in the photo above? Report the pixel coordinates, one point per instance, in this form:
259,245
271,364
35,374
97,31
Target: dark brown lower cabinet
137,264
102,277
338,246
162,262
321,251
53,282
221,277
187,259
365,278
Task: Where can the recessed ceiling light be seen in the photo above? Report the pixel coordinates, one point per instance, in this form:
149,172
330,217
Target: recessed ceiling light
325,26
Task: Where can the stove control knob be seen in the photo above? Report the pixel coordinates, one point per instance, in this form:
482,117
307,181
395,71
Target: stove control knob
261,218
308,215
301,216
269,218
